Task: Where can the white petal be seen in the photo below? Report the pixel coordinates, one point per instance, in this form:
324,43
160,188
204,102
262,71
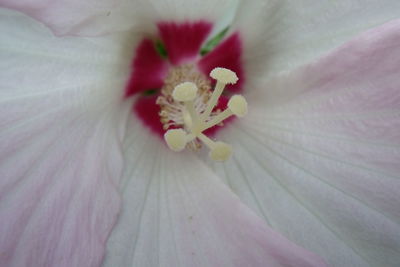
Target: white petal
318,154
94,18
59,144
281,35
147,13
177,213
66,16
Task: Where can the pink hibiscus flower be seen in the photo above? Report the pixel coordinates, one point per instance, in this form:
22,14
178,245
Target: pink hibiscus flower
86,97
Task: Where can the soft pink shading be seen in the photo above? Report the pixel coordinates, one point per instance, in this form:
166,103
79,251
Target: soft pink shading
57,208
357,79
332,136
60,161
64,16
182,42
356,93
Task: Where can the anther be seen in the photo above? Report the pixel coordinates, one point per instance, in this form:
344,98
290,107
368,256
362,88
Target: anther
238,105
219,151
223,77
175,139
186,91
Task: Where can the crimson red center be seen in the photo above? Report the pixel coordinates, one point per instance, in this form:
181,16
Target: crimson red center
182,43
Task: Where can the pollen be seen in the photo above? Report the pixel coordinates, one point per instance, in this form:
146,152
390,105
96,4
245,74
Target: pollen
195,118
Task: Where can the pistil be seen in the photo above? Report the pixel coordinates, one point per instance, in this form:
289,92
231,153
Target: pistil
195,123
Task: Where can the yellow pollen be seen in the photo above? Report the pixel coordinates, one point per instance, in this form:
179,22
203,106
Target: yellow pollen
196,121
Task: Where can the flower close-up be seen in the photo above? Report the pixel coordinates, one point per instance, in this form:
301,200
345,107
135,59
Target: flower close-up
141,133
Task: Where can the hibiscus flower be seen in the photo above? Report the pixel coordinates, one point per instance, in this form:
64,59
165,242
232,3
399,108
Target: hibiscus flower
86,176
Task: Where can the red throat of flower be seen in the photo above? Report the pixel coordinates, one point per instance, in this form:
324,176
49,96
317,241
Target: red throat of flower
179,54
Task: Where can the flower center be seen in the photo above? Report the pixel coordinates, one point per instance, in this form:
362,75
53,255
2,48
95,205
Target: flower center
191,108
173,113
179,53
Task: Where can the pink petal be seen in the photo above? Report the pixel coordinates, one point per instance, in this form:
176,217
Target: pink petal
65,16
357,83
59,144
228,55
59,204
149,69
178,213
283,35
320,152
183,40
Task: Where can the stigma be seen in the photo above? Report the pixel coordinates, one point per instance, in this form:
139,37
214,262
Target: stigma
194,110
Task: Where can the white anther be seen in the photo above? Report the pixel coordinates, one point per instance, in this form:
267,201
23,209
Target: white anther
220,151
186,91
238,105
224,76
176,139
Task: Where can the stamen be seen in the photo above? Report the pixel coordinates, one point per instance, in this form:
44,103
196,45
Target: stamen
223,77
219,151
196,123
175,114
237,105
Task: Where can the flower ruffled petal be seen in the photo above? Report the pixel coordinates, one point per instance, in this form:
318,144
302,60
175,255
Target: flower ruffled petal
318,155
178,213
59,148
